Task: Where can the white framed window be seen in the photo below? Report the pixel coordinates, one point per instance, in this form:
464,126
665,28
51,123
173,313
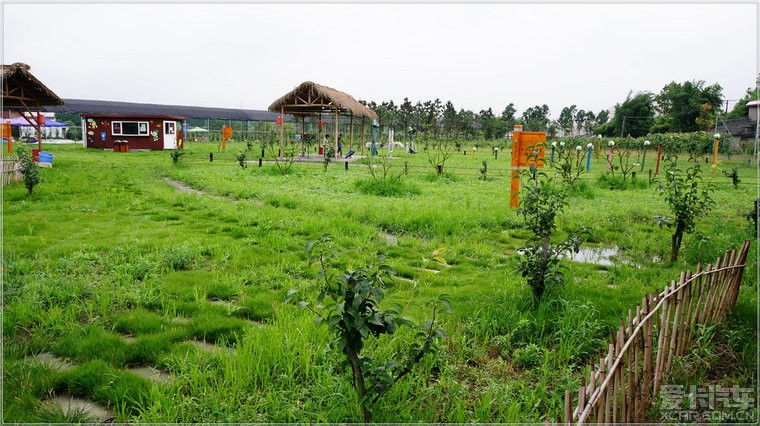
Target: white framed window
129,128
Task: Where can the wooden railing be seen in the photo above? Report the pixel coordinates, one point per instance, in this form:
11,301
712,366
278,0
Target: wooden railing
11,170
625,382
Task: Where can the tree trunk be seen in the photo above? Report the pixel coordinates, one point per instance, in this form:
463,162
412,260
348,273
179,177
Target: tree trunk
675,243
359,383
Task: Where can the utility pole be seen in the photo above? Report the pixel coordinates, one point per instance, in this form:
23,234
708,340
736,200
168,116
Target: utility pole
622,129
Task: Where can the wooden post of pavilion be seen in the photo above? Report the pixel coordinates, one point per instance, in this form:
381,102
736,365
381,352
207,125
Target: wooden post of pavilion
336,130
351,135
303,132
282,129
363,120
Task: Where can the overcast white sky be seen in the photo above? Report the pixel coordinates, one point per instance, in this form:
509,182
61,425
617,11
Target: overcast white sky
477,56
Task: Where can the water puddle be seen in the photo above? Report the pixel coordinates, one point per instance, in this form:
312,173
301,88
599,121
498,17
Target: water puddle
602,256
391,239
597,255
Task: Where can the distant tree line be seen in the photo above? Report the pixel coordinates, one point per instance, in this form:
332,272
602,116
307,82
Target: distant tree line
678,108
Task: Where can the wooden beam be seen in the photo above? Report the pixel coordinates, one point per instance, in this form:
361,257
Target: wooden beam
351,134
363,135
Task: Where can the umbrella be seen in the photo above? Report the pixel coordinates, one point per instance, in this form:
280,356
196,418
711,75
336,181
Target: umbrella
21,121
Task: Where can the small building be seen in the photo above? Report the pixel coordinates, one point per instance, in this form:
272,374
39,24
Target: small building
137,131
744,130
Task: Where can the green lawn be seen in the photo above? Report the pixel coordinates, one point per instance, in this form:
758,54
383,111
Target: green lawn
110,266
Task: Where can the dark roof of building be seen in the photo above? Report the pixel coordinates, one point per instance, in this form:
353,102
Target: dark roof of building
133,116
112,107
22,89
743,128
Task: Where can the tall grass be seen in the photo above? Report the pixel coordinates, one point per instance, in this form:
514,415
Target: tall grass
106,251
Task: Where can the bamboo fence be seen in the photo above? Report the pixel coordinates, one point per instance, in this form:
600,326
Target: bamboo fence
626,381
11,170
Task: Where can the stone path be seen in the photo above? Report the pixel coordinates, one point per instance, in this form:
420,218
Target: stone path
71,404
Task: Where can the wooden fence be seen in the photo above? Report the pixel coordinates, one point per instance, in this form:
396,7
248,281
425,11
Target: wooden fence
627,380
11,170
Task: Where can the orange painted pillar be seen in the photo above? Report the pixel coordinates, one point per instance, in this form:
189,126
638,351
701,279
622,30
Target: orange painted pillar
514,188
7,134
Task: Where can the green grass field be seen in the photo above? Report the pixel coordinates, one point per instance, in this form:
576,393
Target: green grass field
110,266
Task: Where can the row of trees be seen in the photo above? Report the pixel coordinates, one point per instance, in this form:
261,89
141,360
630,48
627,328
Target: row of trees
437,120
679,107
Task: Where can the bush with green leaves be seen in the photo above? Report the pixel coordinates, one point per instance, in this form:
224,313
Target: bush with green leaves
752,217
176,155
240,157
29,169
350,306
734,175
687,197
329,154
540,203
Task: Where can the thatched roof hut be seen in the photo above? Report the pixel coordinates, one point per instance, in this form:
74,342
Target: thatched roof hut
22,90
310,99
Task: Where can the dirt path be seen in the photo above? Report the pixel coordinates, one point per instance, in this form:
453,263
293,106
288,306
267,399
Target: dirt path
183,187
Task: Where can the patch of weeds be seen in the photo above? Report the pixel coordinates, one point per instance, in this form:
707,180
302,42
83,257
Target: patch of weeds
221,291
609,181
97,381
216,328
446,177
179,258
24,384
281,201
528,356
138,322
258,304
386,188
148,350
581,189
91,343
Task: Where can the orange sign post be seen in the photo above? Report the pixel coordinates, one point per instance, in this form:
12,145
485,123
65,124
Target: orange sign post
527,148
226,134
8,136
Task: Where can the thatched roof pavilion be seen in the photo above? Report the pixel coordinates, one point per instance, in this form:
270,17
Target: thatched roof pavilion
310,99
23,92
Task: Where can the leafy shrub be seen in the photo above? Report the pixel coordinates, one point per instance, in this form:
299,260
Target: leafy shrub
687,199
352,313
540,202
528,356
240,157
29,169
176,155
